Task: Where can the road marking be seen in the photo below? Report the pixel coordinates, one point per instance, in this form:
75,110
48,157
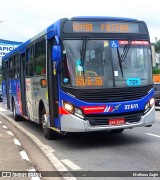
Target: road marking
2,110
16,142
0,122
10,133
47,150
70,164
24,155
153,135
5,127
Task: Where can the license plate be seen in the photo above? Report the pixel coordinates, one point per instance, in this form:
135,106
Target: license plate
116,121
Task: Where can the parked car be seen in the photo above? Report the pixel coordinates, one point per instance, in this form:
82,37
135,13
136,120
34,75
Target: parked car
0,92
157,93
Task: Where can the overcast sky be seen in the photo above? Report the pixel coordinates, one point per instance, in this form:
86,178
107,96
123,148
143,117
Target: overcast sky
22,19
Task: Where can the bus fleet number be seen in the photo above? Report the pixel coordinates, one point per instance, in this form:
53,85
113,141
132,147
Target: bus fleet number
131,106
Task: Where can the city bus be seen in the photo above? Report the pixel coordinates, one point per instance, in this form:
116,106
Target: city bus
82,74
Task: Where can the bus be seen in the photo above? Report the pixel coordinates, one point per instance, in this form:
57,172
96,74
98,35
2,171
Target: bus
82,74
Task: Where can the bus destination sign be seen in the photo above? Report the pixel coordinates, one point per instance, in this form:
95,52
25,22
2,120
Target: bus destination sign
105,27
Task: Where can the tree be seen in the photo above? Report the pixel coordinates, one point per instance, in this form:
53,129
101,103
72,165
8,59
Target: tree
156,44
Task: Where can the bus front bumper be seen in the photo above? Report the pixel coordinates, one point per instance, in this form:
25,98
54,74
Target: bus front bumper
72,123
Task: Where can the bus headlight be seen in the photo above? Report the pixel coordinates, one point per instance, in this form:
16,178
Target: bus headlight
149,104
68,107
74,110
152,102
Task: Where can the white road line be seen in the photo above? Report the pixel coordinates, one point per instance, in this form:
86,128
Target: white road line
5,127
24,155
1,109
70,164
16,142
153,135
47,150
10,133
0,122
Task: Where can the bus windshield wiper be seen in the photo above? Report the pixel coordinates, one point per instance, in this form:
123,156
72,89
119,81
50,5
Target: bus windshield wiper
126,49
120,62
122,57
83,54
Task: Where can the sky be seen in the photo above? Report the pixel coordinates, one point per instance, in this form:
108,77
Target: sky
23,19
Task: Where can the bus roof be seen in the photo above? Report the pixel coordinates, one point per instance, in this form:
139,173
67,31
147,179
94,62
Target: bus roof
54,29
102,18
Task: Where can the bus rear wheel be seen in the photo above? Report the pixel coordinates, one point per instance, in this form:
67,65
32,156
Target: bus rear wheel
15,116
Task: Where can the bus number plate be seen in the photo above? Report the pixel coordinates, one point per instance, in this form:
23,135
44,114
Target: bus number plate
116,121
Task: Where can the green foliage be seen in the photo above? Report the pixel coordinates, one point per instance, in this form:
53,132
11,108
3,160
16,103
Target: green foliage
156,45
156,71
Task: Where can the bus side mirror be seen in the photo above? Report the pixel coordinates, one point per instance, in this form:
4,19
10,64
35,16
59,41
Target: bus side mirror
56,53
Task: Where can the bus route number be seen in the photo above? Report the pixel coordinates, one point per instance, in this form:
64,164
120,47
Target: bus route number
89,81
131,106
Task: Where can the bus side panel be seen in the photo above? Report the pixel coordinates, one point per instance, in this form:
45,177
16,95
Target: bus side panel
30,100
35,93
4,94
15,94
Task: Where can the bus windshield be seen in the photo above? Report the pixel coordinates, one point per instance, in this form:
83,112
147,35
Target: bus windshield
98,63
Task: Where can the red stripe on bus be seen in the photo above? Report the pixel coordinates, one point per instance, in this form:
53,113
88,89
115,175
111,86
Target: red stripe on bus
63,111
93,109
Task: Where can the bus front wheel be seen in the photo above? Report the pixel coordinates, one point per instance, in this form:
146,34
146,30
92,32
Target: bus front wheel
48,133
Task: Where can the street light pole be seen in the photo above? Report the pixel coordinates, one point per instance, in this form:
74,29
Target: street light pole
0,65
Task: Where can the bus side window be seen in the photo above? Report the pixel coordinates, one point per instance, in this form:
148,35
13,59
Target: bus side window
30,64
40,54
66,74
11,66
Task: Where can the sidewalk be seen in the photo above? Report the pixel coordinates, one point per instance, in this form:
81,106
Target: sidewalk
12,157
15,164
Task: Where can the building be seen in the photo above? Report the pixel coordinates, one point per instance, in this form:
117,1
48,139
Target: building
7,46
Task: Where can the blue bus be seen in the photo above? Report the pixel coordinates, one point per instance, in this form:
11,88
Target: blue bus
82,74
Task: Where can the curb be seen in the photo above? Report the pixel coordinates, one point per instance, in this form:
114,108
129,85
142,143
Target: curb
47,151
22,153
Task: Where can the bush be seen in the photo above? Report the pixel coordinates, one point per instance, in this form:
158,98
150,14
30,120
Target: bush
156,71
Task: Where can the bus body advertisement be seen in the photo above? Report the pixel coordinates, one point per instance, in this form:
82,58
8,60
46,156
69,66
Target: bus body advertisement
82,74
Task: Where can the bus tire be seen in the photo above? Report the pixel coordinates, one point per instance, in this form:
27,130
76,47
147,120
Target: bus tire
15,116
117,130
48,133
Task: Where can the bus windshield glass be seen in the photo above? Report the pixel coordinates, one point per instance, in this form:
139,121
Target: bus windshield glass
101,63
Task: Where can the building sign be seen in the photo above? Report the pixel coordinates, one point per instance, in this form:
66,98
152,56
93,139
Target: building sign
7,46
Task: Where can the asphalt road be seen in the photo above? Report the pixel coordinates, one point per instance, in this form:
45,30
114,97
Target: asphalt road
135,149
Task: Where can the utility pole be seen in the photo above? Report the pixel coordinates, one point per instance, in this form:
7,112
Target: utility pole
0,65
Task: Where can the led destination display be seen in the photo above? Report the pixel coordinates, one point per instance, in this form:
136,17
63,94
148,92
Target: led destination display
101,27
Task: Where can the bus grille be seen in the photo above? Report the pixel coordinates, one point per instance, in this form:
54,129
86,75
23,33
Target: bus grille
114,95
99,120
